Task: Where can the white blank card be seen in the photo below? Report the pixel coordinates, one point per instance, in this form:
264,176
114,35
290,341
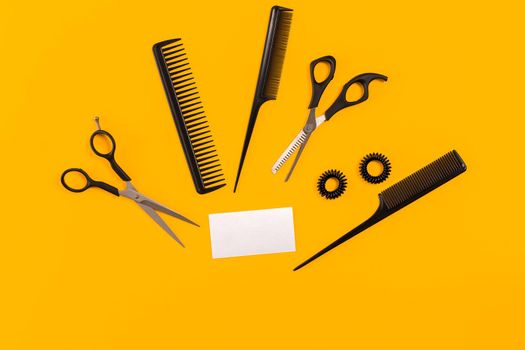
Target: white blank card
252,232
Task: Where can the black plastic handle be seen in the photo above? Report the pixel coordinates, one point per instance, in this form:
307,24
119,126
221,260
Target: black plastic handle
318,87
110,156
89,182
341,102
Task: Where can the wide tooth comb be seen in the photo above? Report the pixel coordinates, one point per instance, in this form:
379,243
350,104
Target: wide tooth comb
188,114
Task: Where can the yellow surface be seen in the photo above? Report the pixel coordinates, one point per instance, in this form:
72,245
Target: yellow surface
92,271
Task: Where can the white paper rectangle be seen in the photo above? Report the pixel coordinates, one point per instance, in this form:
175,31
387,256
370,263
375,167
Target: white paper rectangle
252,232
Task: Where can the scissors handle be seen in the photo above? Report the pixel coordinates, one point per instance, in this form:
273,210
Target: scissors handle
89,182
110,155
318,87
341,102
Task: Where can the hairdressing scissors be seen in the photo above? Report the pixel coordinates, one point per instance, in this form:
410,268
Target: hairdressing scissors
313,122
147,204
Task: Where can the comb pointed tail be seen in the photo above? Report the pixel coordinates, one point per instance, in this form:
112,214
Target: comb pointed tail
379,215
251,124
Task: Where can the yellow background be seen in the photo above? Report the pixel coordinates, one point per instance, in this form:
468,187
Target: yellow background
92,271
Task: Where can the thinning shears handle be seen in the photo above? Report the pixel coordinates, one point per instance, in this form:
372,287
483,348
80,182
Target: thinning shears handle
110,155
89,182
318,87
341,102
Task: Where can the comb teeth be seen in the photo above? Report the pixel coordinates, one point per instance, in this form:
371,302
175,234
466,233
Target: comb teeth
423,181
280,43
188,113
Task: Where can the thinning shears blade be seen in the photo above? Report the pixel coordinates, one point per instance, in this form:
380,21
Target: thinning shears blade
294,145
301,149
299,142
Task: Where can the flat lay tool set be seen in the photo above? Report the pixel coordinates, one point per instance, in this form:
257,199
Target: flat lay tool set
271,230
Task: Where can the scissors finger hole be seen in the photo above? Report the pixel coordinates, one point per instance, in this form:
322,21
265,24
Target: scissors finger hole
75,180
103,144
321,71
354,92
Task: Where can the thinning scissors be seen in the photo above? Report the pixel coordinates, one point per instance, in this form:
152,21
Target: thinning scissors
147,204
313,122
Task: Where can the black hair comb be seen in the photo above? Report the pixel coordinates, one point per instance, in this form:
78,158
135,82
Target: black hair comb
270,71
405,192
188,114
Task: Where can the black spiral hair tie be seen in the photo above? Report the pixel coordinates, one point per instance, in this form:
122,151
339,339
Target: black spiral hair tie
375,157
341,185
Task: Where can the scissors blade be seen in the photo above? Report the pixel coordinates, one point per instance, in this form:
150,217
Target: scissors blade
153,214
159,207
301,149
297,141
131,192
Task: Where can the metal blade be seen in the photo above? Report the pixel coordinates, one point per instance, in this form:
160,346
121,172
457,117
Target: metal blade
301,149
159,207
153,214
297,141
131,192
